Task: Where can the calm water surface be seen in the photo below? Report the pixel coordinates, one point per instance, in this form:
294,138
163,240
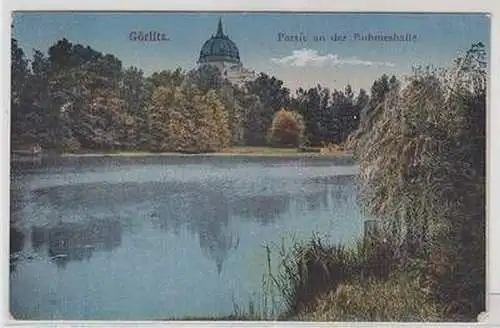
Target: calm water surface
159,237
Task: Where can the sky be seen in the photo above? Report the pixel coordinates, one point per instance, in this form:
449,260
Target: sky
436,40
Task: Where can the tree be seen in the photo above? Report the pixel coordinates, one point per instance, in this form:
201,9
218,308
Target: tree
184,119
206,78
233,99
287,129
310,106
271,92
254,120
347,113
379,90
85,100
134,92
424,151
163,119
272,97
362,100
19,80
45,116
166,78
214,133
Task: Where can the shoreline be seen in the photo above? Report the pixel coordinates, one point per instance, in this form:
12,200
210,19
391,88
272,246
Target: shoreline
230,152
219,154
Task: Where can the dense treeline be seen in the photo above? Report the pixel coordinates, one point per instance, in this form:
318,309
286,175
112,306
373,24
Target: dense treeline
78,99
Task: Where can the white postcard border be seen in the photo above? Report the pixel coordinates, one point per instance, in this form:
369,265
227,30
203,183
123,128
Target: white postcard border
493,117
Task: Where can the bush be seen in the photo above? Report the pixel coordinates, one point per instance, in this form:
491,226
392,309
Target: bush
287,129
70,145
309,149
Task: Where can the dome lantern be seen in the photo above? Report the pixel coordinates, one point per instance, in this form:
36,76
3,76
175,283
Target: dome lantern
220,33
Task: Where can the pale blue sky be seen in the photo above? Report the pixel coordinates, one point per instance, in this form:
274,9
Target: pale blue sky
440,38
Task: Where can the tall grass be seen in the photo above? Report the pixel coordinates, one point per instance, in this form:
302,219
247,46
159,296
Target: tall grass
312,269
399,298
318,281
363,281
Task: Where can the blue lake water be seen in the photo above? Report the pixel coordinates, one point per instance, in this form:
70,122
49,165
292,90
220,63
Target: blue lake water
143,238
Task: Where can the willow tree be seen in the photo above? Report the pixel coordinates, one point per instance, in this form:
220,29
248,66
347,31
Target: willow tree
422,172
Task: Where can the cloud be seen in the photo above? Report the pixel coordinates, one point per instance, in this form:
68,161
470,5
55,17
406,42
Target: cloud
309,57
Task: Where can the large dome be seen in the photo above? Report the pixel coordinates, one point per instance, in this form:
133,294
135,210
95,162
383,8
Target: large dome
219,48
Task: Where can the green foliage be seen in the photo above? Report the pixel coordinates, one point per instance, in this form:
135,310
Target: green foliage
19,82
76,94
329,116
186,120
379,90
287,129
79,96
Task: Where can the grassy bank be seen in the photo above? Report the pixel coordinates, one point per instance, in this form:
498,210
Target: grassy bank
371,281
316,281
233,151
400,298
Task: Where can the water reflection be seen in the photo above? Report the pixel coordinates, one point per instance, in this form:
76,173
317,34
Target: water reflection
16,246
68,241
204,212
334,187
262,208
316,200
339,180
16,236
207,210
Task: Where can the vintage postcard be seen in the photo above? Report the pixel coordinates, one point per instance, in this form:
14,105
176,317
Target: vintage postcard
248,166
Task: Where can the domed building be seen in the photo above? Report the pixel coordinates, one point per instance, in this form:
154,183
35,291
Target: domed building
220,51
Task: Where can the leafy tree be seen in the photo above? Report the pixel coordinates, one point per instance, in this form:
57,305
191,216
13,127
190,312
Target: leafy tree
272,97
379,90
205,78
85,99
233,99
162,119
19,80
184,119
362,100
287,129
313,106
255,116
215,133
271,92
134,92
347,114
166,78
